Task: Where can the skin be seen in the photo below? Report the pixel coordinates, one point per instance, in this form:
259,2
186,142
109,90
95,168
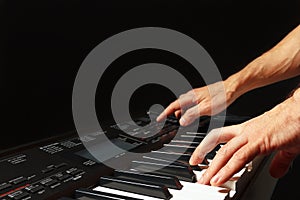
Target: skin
276,130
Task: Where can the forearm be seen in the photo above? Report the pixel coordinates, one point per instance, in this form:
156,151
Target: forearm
279,63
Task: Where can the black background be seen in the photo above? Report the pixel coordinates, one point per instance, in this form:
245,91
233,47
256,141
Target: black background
44,42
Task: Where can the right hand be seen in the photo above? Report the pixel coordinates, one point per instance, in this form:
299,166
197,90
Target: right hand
204,101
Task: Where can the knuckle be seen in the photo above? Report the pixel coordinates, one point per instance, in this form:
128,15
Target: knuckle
222,152
264,145
241,156
205,107
189,113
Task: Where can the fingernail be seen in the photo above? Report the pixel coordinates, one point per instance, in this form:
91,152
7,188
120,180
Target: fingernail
182,121
216,179
201,180
191,161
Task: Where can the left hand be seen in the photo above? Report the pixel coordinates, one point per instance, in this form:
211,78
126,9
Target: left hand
277,129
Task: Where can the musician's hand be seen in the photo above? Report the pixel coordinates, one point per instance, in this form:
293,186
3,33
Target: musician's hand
204,101
277,129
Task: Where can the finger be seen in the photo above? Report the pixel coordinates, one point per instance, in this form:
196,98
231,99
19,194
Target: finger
213,138
281,163
201,109
182,102
221,158
190,116
174,106
177,113
239,160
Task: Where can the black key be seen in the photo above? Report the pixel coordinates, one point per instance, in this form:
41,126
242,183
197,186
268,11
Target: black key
162,161
198,168
171,156
158,191
87,193
169,181
179,149
191,138
202,134
212,154
184,142
181,172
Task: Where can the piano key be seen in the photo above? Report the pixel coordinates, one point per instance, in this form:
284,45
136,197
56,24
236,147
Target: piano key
124,193
230,184
171,156
181,172
199,167
88,193
191,138
169,181
190,191
212,154
175,157
193,191
184,142
196,134
152,190
179,149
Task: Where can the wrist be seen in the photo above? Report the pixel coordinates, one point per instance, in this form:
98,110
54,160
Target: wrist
236,85
290,108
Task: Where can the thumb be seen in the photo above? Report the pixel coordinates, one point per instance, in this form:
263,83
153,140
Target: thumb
281,163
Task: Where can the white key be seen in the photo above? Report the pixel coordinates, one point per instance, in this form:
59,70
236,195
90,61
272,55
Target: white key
190,191
195,191
123,193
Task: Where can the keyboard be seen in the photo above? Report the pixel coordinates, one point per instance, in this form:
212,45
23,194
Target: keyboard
62,168
164,173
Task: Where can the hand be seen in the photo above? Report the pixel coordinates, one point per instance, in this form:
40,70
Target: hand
277,129
204,101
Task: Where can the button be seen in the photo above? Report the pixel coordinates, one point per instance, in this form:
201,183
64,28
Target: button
78,171
4,186
19,195
35,189
64,178
50,183
77,178
89,163
60,165
75,171
18,180
47,170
